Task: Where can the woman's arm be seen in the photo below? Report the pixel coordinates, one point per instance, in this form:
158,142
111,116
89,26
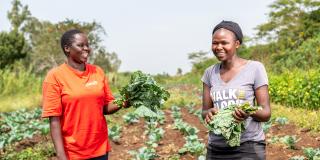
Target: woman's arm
208,111
262,97
112,108
55,129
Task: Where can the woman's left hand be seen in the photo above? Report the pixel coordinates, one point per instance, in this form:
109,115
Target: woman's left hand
126,104
240,115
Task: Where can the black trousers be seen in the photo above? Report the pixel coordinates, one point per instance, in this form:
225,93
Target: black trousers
103,157
246,151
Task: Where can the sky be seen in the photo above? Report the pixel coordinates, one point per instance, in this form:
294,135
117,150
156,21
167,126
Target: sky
148,35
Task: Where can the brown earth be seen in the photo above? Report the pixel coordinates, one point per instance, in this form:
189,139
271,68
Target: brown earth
133,137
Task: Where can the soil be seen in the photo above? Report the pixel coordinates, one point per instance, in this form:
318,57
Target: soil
133,137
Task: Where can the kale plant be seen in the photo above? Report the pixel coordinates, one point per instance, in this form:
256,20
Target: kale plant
224,123
143,93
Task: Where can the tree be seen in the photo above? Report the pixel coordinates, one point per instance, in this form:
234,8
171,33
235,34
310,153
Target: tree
179,72
289,22
12,47
45,41
197,57
18,14
108,61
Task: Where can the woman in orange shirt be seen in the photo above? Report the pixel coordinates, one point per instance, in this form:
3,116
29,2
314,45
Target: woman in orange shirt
76,96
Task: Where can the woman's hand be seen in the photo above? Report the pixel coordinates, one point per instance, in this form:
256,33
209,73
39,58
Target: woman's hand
126,104
210,114
240,115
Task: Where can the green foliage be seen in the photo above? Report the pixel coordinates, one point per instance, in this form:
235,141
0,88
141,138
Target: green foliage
41,151
154,136
274,139
21,124
312,153
144,153
12,47
224,123
197,57
290,141
18,81
109,62
296,89
266,126
143,91
193,146
291,36
131,118
309,118
304,57
203,65
18,14
45,40
282,120
114,133
288,21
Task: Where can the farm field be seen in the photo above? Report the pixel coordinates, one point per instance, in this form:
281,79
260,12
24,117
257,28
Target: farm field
134,135
164,121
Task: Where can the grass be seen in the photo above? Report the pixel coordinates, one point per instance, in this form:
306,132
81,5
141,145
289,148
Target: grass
19,101
19,88
304,118
183,95
41,151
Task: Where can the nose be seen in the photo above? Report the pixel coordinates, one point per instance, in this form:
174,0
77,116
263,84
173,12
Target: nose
87,48
217,47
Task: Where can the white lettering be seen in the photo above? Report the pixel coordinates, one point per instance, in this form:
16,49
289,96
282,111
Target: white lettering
231,102
224,104
93,83
218,96
224,95
232,94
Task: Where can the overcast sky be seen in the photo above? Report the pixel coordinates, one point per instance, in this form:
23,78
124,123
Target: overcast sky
149,35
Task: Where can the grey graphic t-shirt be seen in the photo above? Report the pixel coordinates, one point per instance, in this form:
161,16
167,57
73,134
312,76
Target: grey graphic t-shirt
238,90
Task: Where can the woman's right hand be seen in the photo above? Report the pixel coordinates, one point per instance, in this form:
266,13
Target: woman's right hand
210,114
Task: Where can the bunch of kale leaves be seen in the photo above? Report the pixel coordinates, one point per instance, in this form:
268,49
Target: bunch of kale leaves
224,123
143,93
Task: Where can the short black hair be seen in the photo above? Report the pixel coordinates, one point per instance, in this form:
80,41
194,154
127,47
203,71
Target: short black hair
68,37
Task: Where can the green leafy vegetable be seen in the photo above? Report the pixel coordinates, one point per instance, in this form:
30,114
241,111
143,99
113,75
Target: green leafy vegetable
224,123
290,141
114,133
143,91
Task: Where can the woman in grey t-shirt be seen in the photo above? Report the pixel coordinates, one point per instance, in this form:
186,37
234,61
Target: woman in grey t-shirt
234,81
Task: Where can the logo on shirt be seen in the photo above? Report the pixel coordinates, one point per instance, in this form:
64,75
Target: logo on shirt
226,97
92,83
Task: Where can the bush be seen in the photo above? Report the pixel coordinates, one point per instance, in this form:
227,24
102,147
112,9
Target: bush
296,89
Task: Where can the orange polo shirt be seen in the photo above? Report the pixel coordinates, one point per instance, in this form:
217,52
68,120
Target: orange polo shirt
78,98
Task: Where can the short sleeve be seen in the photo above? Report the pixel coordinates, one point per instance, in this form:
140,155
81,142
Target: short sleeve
51,97
261,77
206,76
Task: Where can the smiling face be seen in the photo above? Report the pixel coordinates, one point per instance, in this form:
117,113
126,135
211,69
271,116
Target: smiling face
79,50
224,44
